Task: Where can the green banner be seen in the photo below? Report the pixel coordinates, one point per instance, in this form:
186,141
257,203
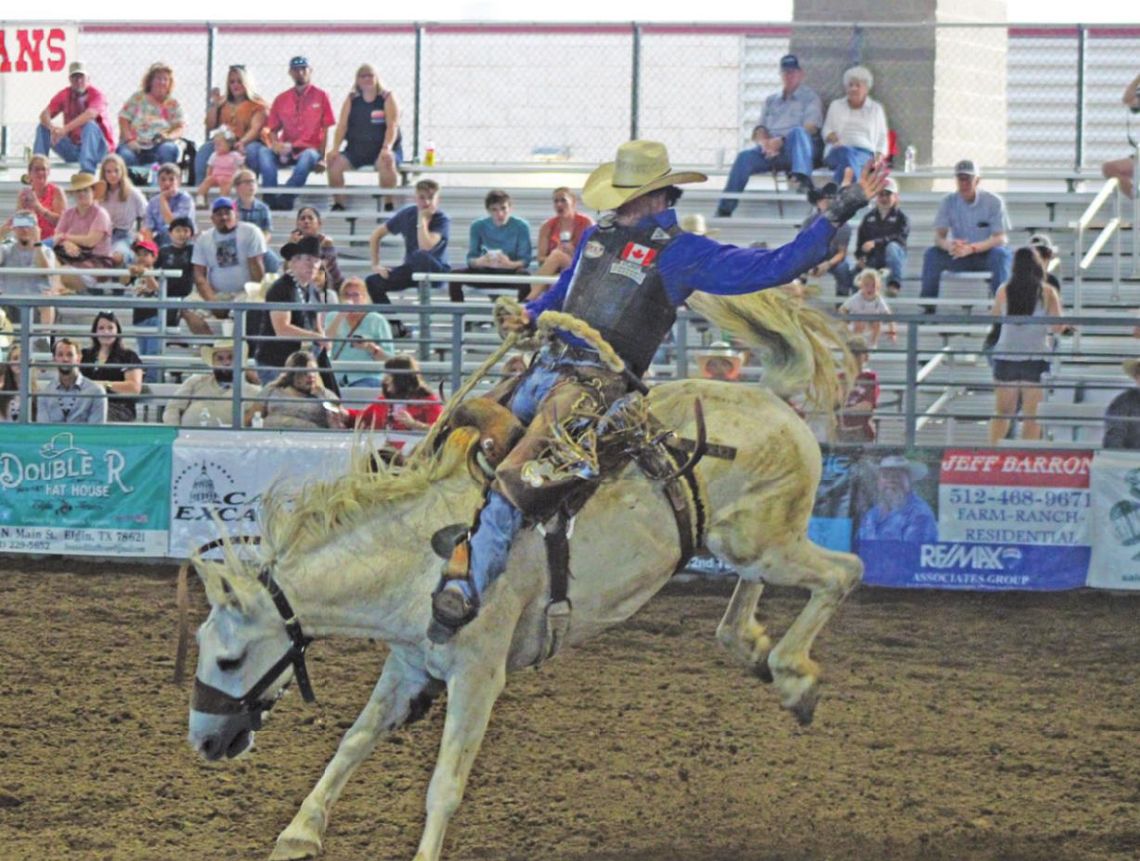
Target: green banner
85,489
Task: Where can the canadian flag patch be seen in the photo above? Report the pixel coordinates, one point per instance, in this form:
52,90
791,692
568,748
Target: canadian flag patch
638,254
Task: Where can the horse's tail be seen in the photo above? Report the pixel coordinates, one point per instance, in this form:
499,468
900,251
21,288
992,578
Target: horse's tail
805,348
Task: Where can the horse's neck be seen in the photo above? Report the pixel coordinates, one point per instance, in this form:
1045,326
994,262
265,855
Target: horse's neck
365,579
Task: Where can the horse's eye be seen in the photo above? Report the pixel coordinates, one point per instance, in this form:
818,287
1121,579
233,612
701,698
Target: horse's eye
228,665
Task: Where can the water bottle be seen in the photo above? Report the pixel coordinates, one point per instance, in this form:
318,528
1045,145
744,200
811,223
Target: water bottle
908,159
429,154
204,417
257,421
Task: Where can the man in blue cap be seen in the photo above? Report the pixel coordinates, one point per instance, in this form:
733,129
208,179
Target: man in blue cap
227,256
786,138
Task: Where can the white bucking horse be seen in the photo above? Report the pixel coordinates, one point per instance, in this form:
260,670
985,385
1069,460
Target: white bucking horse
353,557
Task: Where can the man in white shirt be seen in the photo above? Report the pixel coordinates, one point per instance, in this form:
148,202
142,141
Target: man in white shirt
71,398
226,257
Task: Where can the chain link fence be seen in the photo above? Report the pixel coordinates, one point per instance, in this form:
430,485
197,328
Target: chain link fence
1025,96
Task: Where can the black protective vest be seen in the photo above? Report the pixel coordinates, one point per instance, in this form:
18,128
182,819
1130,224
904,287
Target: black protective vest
617,289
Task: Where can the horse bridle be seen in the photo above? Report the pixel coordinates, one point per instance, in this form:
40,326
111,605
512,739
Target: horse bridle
209,700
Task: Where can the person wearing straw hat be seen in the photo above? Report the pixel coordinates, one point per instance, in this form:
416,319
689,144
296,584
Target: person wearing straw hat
899,514
206,400
719,362
83,235
629,274
1122,418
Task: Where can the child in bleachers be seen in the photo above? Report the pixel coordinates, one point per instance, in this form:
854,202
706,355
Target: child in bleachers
868,299
222,167
256,212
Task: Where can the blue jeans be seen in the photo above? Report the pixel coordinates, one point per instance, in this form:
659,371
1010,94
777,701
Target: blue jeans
272,261
844,279
267,164
795,157
149,346
89,152
891,257
165,152
843,157
997,261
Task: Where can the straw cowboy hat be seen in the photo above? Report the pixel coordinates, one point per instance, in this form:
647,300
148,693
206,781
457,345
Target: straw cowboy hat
226,344
917,470
640,167
80,181
694,222
723,351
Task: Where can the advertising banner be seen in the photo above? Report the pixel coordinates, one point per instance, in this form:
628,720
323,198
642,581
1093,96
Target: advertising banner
1115,562
85,490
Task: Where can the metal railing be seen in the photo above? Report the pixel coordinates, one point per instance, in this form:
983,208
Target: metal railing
1111,230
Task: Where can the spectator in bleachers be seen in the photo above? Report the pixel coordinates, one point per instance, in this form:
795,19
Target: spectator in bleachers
83,235
856,418
222,166
296,398
109,364
227,255
836,262
868,299
970,233
299,325
151,121
1021,354
309,224
256,212
881,240
558,237
242,112
358,336
85,135
298,126
123,202
206,400
11,399
1047,251
43,198
170,203
179,254
855,129
720,362
1122,418
70,398
499,245
1124,169
406,401
369,126
138,283
786,138
26,249
425,229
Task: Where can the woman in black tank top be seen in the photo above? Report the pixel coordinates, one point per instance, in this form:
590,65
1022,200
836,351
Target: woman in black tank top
369,128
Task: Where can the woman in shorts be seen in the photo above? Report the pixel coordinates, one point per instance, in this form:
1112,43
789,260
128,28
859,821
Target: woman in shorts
1021,354
369,128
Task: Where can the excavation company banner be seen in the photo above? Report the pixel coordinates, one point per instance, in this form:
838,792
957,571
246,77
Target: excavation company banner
1116,525
85,490
964,518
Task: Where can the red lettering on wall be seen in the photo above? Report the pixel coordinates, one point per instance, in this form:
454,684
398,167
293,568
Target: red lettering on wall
5,63
28,50
57,54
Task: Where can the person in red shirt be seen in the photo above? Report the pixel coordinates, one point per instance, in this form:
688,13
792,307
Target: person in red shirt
298,134
856,419
406,403
85,135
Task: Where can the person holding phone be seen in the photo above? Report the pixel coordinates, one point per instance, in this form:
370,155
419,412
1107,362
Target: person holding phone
358,336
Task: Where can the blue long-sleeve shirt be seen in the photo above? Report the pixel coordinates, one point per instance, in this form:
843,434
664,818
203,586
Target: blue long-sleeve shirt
691,262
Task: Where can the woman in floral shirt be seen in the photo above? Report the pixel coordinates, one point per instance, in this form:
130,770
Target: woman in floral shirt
151,122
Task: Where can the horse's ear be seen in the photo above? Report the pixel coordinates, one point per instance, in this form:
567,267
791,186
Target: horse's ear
219,588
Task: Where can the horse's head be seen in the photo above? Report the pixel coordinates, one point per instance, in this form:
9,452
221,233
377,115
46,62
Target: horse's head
249,648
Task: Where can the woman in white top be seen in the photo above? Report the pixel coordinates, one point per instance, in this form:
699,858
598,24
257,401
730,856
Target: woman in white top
855,129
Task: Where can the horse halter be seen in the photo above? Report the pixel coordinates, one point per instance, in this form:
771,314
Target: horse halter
210,700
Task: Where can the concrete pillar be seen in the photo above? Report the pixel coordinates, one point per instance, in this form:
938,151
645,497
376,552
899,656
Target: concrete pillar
943,88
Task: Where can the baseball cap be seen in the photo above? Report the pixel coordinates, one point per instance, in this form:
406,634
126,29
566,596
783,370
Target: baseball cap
23,219
181,221
76,68
891,185
145,245
966,167
223,203
299,62
1042,240
789,61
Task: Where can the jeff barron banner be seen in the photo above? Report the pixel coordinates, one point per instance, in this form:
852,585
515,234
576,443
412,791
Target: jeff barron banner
85,490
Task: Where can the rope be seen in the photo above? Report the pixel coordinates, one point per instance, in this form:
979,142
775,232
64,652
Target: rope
550,320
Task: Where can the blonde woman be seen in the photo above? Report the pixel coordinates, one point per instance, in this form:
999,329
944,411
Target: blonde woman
242,111
369,128
151,121
124,203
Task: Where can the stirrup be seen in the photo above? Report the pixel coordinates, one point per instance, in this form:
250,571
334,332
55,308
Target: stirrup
445,540
451,609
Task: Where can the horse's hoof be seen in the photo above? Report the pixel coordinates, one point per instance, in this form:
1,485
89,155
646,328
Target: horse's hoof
804,709
295,849
763,672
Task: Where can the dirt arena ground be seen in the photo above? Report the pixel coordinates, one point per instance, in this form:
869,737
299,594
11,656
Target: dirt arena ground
954,726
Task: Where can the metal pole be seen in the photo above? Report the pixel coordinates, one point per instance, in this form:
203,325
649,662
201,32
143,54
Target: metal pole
416,96
27,315
211,33
239,368
635,81
1136,216
910,396
457,320
1082,38
1117,241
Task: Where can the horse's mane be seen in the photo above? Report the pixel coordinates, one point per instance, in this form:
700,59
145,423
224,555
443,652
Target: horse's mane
295,519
